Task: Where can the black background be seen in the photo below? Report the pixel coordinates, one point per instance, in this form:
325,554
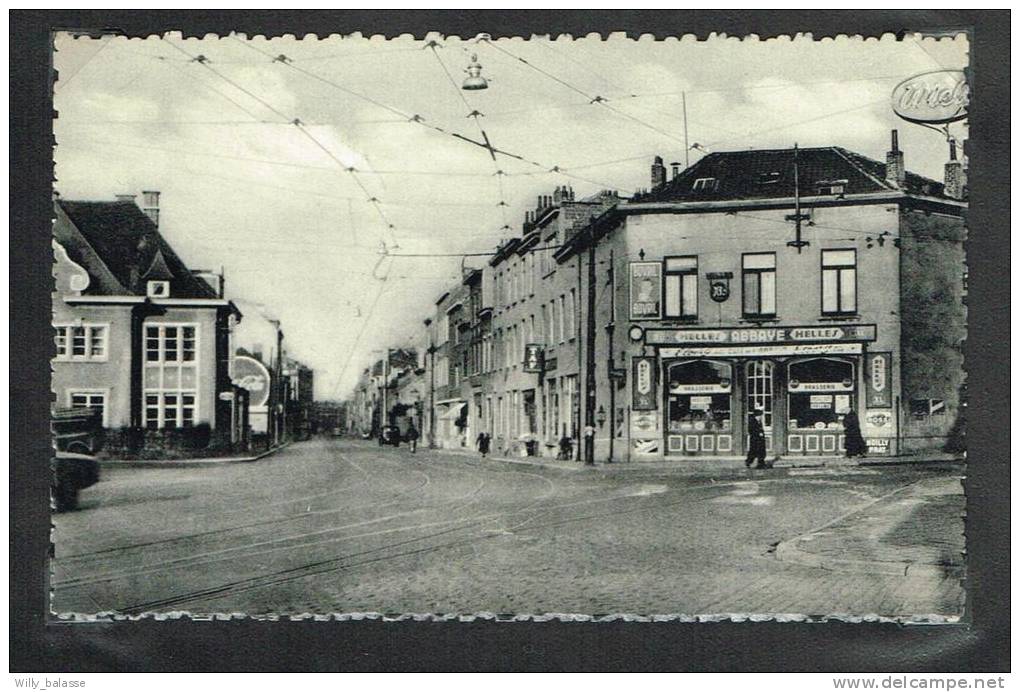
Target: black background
981,643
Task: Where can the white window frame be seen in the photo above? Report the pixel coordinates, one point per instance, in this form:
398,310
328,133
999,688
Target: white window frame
680,277
159,389
67,355
98,391
837,269
157,289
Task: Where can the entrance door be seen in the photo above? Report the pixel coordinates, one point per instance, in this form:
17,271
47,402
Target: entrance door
760,386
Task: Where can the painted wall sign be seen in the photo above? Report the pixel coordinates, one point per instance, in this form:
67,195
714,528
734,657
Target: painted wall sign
720,388
645,447
761,351
770,335
645,290
643,423
644,396
534,358
252,375
878,380
798,386
878,445
942,96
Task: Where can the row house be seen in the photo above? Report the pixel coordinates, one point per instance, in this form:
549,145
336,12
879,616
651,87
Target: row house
140,337
804,282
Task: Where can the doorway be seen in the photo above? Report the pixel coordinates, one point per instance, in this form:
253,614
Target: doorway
760,389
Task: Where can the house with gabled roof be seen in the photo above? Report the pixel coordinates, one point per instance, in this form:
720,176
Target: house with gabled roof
139,336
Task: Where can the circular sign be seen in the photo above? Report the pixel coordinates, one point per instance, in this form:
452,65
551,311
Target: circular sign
938,97
794,384
252,375
636,333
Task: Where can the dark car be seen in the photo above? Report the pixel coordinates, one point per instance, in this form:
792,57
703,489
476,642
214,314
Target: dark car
72,472
389,435
78,434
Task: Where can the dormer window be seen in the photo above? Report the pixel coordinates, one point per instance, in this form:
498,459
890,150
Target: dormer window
158,289
770,178
831,187
705,185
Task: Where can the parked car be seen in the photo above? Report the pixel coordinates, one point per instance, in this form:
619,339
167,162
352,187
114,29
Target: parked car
72,472
389,435
78,434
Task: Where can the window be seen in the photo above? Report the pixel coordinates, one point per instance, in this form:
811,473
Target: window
759,284
839,282
682,287
705,185
562,319
820,390
571,316
82,341
831,187
170,375
158,289
89,399
699,396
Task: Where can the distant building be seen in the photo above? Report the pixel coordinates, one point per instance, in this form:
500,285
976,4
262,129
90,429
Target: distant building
138,336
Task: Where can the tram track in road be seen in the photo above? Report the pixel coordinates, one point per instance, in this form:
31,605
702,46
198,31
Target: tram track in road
245,550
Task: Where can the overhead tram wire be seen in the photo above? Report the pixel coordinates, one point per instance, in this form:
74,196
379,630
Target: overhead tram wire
202,60
474,114
597,99
418,119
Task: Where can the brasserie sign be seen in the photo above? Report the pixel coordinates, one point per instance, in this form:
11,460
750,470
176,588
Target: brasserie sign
755,335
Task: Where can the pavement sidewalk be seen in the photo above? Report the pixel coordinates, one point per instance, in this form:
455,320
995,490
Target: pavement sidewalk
702,465
183,463
914,531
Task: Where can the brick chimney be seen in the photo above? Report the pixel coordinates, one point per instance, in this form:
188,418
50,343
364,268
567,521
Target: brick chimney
676,168
558,195
658,172
955,180
150,205
895,170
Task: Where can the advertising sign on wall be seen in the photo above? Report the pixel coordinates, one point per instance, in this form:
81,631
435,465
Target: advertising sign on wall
644,389
938,97
644,423
645,290
252,375
763,335
878,380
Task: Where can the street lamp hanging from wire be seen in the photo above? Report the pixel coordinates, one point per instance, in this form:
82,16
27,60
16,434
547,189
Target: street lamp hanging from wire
474,81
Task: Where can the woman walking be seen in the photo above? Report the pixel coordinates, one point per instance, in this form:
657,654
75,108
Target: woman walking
853,441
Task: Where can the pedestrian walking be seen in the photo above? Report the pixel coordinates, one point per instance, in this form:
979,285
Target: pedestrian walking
853,441
412,438
566,446
482,442
756,437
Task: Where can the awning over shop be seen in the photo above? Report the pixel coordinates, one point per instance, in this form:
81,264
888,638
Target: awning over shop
454,412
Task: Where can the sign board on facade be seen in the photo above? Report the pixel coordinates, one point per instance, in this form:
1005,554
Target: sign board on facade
534,358
762,351
719,286
716,388
645,290
645,447
252,375
643,423
767,335
938,97
644,389
878,380
878,445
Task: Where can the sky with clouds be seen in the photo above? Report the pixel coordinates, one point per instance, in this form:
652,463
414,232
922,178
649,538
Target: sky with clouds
287,210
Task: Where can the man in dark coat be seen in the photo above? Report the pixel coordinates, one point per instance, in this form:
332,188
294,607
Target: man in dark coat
483,443
756,434
853,441
412,438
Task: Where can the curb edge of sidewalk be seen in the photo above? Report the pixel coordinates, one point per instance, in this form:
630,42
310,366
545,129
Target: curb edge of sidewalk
189,463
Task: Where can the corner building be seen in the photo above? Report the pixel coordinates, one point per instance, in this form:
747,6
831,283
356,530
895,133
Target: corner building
721,305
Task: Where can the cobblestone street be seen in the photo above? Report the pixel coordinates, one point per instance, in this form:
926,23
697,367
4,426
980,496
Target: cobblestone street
343,526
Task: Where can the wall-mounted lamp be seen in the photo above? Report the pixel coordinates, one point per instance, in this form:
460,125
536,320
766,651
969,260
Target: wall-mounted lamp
600,417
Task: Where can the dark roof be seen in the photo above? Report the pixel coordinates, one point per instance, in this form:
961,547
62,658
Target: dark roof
127,243
768,173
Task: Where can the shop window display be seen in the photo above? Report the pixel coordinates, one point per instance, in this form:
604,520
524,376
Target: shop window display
699,396
820,390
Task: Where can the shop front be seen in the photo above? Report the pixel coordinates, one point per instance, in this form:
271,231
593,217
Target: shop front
712,380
